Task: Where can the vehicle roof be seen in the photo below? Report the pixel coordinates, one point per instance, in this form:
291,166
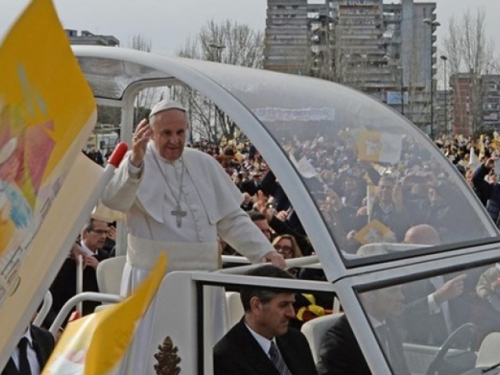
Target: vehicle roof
313,134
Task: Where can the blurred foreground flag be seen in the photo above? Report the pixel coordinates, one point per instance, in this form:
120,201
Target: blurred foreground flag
47,113
96,343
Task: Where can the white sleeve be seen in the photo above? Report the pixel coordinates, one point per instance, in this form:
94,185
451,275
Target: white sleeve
244,236
434,308
121,191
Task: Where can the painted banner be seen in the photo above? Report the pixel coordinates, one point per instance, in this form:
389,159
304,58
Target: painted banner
379,147
47,112
96,343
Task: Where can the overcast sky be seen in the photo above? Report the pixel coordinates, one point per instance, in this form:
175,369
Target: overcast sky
168,23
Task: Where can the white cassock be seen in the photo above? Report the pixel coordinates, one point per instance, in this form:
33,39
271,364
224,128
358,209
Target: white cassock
211,203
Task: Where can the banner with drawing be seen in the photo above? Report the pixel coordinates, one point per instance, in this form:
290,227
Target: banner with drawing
47,112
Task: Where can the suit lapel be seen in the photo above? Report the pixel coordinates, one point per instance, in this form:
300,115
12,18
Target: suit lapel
40,346
10,368
256,357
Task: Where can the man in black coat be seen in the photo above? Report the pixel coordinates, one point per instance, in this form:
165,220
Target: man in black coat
262,342
40,346
63,287
340,353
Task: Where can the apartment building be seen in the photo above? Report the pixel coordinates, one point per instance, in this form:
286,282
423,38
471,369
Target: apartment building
385,50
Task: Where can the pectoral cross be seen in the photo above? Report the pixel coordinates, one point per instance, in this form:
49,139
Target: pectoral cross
179,214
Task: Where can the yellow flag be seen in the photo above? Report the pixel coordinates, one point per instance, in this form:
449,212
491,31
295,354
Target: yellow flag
47,112
95,344
374,231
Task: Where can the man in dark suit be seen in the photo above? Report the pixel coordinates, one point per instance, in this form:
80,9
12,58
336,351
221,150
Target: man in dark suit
93,236
340,353
31,354
262,342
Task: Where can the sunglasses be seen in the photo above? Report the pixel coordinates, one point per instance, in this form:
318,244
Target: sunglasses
284,248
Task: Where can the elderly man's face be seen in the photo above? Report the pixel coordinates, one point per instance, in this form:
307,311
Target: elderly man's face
169,133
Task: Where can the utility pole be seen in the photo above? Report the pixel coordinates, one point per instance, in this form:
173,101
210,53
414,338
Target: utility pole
445,60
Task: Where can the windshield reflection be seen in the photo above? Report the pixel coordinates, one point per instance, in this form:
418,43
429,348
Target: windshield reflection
371,173
447,324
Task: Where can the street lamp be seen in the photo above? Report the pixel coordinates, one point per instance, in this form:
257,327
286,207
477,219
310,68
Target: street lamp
401,83
218,47
445,60
432,25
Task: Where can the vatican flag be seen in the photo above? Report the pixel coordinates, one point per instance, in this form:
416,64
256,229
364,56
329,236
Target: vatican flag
96,343
47,113
379,147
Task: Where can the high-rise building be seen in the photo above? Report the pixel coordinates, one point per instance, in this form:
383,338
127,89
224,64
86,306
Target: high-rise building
476,103
490,101
385,50
286,41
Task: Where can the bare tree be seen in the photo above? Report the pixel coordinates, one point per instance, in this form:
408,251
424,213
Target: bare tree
227,42
146,98
469,50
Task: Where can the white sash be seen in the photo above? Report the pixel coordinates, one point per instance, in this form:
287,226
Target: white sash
181,256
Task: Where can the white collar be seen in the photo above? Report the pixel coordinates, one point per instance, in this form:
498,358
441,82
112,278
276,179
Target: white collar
86,249
264,342
27,334
375,322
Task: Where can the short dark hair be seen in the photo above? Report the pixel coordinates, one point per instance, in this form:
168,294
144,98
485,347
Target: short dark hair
256,216
263,294
89,225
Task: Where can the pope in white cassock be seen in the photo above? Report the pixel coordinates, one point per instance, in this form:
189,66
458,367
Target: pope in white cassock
179,201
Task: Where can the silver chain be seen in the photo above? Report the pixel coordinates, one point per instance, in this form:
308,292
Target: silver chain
177,200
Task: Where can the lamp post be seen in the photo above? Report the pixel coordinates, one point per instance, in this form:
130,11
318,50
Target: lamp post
432,25
401,93
445,60
217,47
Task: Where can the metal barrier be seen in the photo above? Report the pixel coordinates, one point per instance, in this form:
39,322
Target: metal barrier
72,302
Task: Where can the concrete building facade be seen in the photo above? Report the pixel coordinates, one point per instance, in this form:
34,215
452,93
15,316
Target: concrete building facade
476,103
385,50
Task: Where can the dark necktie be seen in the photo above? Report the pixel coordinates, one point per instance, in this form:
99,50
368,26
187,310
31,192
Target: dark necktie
278,360
24,365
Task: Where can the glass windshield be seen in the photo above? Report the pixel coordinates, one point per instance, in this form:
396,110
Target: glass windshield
446,324
371,173
109,78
